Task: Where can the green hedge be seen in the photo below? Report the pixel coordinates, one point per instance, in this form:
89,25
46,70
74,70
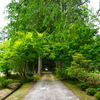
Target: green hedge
91,91
83,86
97,95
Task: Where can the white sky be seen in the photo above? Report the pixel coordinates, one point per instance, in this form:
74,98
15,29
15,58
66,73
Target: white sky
3,3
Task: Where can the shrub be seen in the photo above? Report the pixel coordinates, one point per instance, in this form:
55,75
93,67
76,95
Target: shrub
79,73
98,89
26,80
97,95
72,74
80,67
83,86
94,79
30,74
97,85
79,61
72,78
91,91
5,82
62,74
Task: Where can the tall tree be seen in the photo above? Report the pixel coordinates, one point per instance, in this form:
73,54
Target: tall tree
65,24
46,15
92,51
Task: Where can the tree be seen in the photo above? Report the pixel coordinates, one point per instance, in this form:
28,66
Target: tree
46,15
80,67
29,46
64,26
91,51
5,54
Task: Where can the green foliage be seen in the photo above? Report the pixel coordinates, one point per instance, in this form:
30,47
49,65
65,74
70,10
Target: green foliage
97,85
98,89
30,74
91,51
61,73
43,15
5,57
4,82
22,53
91,91
94,79
38,33
79,67
79,61
97,95
83,86
79,73
26,80
82,75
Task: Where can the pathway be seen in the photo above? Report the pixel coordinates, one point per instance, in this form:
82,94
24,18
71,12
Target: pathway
50,89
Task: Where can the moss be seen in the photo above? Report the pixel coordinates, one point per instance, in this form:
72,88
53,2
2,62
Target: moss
37,77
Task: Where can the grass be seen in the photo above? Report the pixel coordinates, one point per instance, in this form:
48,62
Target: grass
37,77
79,93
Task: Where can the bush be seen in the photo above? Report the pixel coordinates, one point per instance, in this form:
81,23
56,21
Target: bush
5,82
79,73
91,91
30,74
98,89
97,95
83,86
94,79
72,75
26,80
97,85
82,74
62,74
72,78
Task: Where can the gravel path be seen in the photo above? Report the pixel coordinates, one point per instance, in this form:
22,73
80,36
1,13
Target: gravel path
50,89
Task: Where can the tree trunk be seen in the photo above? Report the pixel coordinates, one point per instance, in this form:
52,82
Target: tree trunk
24,70
39,65
59,64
